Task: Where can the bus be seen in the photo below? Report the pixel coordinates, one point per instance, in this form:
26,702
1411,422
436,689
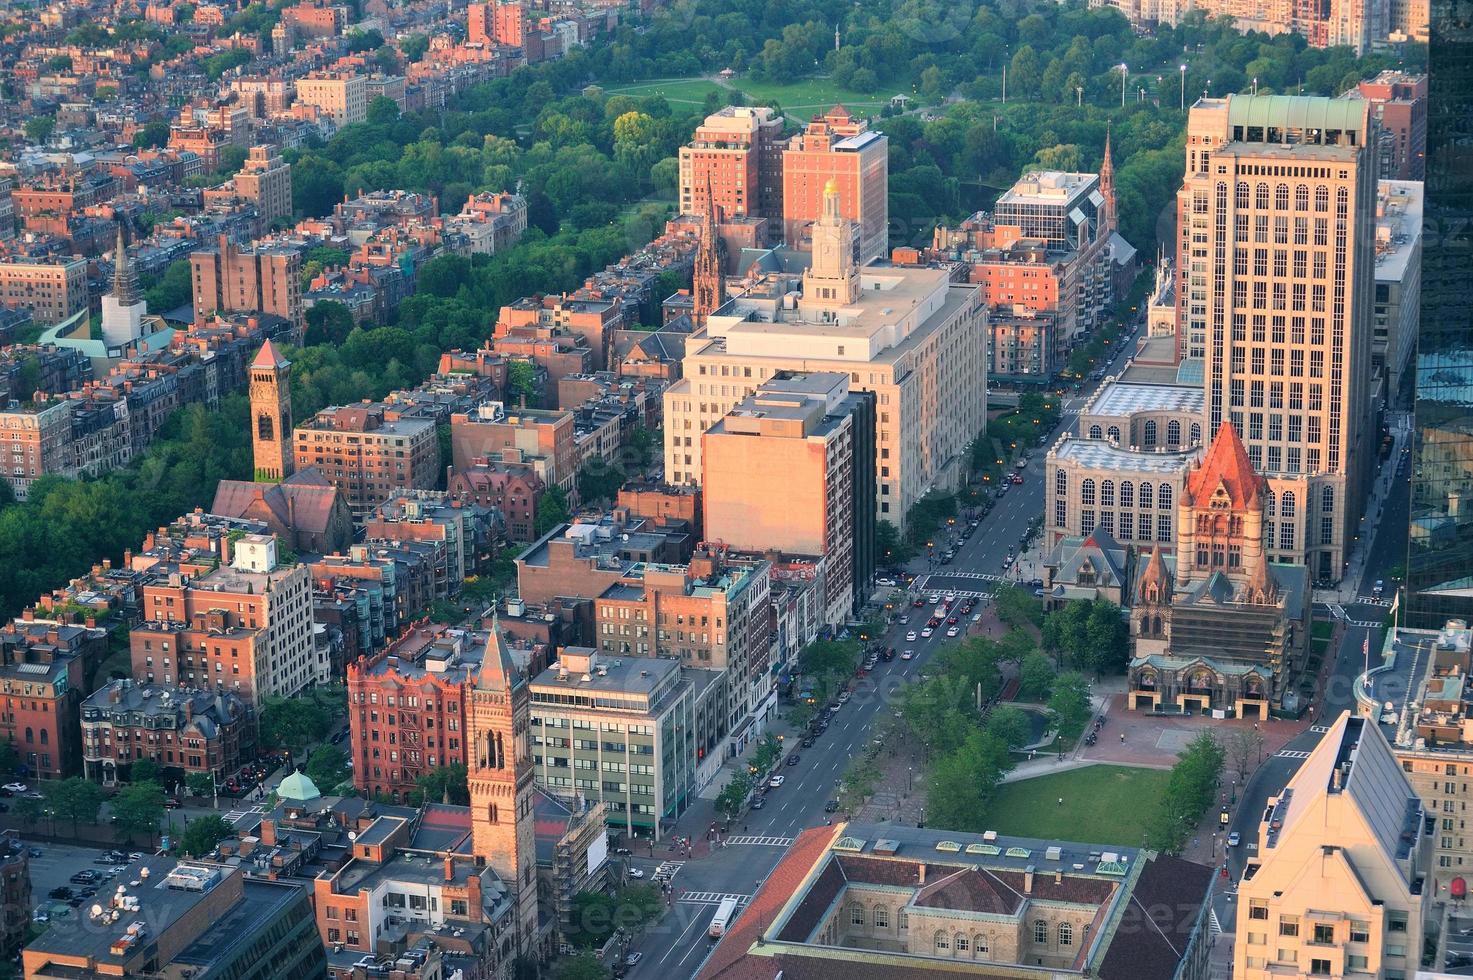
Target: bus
723,918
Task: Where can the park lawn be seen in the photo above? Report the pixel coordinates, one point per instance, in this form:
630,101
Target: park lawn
808,96
1102,805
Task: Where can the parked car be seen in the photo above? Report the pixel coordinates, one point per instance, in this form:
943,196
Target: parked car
793,759
633,959
60,893
16,787
777,781
831,806
843,697
636,873
171,803
758,802
42,916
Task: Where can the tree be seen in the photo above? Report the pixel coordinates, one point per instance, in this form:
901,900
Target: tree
317,185
1244,749
327,766
38,129
733,795
136,809
29,810
200,783
541,213
290,723
552,510
173,289
890,549
414,46
328,322
154,134
521,381
596,915
1107,643
203,833
960,785
75,799
1189,792
9,757
1070,703
768,753
444,784
1015,606
143,771
1010,726
1035,677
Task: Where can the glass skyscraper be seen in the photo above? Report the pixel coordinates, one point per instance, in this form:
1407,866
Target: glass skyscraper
1440,549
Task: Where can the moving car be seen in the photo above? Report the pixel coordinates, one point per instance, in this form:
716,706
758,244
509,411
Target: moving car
927,632
1379,588
952,631
908,655
911,636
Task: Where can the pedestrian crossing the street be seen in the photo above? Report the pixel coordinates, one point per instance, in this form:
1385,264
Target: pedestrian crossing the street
761,841
1291,754
713,898
667,870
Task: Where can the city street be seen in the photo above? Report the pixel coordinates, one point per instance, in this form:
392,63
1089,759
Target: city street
675,947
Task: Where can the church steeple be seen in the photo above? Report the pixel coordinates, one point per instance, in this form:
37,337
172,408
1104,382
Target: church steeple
125,283
123,307
499,776
708,286
1107,183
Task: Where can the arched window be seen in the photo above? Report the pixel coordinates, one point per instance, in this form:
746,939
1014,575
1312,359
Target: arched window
1268,504
1066,934
1087,493
1149,439
1240,194
1287,504
1173,433
29,736
856,914
1163,500
1301,197
943,942
45,736
1281,197
980,946
1196,433
1321,199
1061,483
882,917
1146,496
1095,432
1260,197
1327,499
1127,494
1107,493
1114,433
961,943
1040,932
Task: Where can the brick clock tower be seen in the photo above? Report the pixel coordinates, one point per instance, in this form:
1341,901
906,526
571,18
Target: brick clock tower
499,764
271,414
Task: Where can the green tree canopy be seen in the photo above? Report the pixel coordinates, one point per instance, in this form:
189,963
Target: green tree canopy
76,799
1070,703
444,784
203,833
137,808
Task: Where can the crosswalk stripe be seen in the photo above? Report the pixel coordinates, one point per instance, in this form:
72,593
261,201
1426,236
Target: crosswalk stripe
713,898
1319,729
1291,754
764,841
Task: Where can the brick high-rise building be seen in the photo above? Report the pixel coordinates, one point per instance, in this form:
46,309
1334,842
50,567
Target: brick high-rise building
368,452
1399,103
51,287
735,158
839,149
262,279
271,414
1276,218
341,95
266,181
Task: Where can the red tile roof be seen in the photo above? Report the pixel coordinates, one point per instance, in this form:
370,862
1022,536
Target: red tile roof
1227,463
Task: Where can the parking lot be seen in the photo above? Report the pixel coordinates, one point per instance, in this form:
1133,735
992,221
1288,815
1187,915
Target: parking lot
54,869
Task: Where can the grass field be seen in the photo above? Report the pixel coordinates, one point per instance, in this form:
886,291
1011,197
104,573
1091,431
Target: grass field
806,96
1102,805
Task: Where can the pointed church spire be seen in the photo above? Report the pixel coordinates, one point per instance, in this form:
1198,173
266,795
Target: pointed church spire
708,285
1260,588
125,283
498,671
1107,181
1155,576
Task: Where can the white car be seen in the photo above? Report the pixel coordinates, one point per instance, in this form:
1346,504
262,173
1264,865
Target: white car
926,633
952,631
911,636
776,781
636,873
934,599
843,697
15,787
1234,839
908,655
903,620
950,599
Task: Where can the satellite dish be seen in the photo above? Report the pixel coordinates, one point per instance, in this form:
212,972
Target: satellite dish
352,835
96,911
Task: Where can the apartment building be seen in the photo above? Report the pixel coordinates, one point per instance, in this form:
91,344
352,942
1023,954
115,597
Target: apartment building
627,732
244,627
177,728
593,320
52,288
341,95
910,336
545,439
1276,217
44,668
840,149
265,180
257,279
810,429
1399,104
369,452
1337,885
39,440
735,156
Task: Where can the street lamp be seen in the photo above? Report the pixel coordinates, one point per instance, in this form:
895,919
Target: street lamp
1183,67
1079,96
1124,74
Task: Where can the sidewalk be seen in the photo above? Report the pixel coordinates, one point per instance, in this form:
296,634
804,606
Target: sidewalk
1350,583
